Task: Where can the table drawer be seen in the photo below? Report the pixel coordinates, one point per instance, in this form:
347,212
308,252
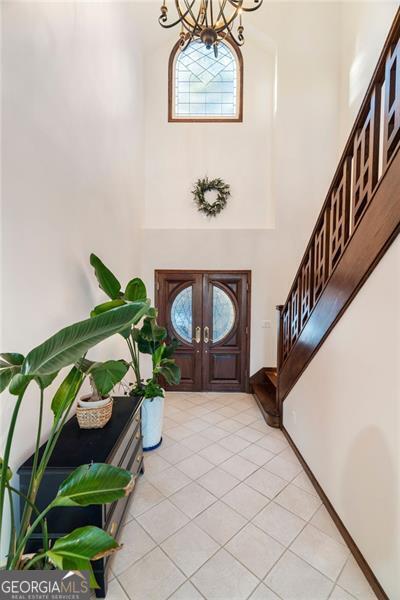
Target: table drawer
113,511
134,429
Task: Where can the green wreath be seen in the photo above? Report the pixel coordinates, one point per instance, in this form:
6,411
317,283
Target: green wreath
202,186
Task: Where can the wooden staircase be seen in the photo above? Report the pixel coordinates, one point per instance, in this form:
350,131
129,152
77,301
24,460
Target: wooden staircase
264,386
359,219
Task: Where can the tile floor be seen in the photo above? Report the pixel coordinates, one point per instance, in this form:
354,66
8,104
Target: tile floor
226,512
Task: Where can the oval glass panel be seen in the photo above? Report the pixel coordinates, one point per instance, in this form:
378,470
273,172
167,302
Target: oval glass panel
223,314
181,314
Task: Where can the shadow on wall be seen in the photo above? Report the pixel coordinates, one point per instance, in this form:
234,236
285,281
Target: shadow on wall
369,481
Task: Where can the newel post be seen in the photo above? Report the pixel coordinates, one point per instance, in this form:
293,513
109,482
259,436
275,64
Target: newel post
279,362
279,308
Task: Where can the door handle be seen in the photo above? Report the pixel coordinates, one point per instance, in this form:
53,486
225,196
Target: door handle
197,335
206,335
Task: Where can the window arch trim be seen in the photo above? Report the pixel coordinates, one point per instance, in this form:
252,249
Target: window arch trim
238,118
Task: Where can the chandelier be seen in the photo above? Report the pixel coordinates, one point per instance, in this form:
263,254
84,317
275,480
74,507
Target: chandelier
210,22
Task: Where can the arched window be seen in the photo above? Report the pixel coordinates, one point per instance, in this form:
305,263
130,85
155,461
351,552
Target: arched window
205,87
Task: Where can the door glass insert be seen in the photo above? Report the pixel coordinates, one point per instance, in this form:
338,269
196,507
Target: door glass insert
223,314
181,314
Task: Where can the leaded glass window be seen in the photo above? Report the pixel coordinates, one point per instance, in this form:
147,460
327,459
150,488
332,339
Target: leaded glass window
223,314
181,314
205,86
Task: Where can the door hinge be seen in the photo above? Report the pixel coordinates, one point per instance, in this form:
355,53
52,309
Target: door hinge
247,287
158,286
247,331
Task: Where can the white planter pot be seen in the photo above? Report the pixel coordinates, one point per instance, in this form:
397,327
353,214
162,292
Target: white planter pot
152,422
84,402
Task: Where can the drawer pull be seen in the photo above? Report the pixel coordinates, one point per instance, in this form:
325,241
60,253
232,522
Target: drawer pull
137,419
139,458
137,436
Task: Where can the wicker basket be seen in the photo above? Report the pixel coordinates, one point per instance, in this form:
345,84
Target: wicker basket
94,418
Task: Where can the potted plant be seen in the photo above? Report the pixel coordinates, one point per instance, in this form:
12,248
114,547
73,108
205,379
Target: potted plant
94,410
88,484
150,339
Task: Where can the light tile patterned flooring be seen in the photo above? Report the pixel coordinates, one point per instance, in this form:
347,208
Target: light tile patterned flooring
225,512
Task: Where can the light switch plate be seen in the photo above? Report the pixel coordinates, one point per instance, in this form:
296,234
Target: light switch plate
266,324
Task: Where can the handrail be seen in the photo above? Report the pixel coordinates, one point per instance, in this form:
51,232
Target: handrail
367,156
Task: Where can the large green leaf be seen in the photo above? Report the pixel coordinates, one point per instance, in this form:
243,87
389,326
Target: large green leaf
107,374
144,346
150,331
68,563
135,290
107,280
158,354
71,343
94,484
75,550
10,365
150,336
67,392
101,308
12,358
169,349
6,374
19,383
170,371
152,313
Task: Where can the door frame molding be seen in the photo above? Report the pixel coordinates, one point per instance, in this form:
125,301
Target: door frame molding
246,272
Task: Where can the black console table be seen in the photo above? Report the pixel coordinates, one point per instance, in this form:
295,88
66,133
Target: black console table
119,443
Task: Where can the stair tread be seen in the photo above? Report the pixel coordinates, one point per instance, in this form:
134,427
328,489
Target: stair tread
272,376
266,398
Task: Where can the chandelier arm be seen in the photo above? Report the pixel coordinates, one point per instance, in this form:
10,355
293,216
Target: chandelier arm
205,4
252,9
188,12
235,40
244,8
188,29
197,21
180,19
221,12
234,15
184,14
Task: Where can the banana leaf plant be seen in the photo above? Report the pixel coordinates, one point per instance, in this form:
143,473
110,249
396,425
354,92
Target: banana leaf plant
150,338
88,484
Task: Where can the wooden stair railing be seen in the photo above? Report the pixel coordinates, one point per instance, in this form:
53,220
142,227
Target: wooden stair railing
359,219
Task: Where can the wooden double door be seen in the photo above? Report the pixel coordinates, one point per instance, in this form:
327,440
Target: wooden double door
209,313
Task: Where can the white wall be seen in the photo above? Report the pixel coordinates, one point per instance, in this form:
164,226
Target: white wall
178,154
72,170
364,27
344,416
290,112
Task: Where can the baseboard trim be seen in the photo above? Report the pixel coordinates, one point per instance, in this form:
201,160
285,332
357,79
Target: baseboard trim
362,563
